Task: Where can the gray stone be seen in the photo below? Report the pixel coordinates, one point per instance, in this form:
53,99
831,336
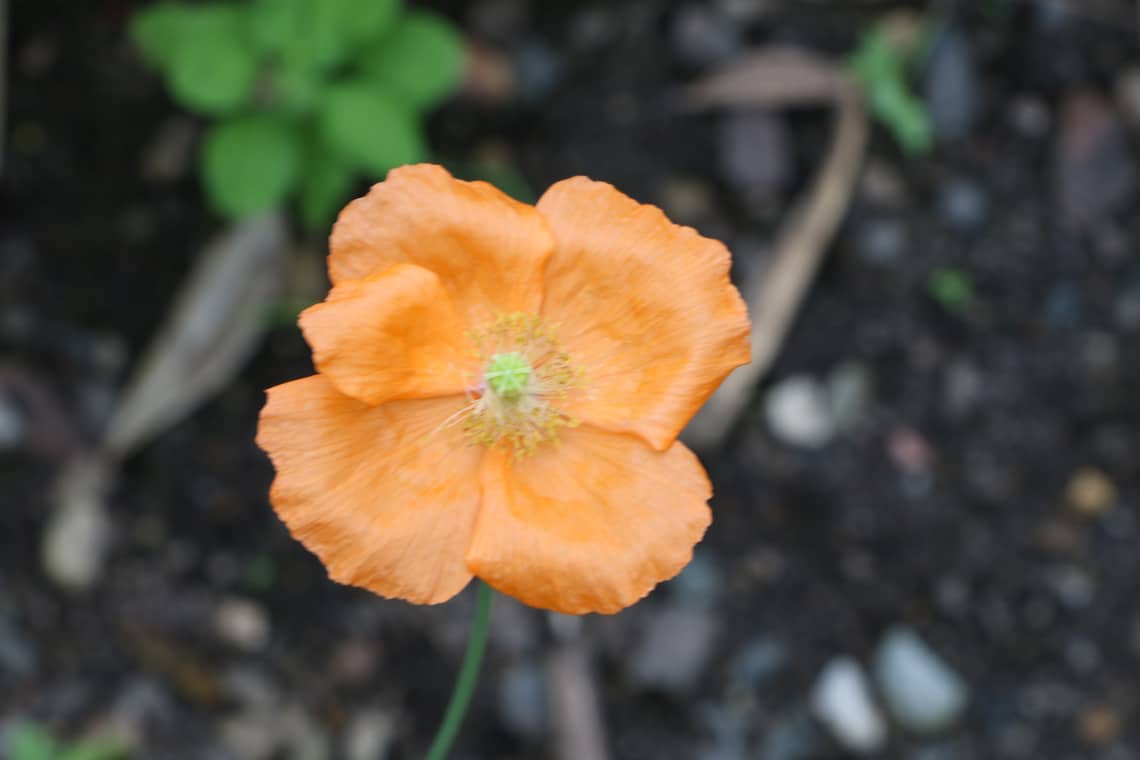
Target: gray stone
841,700
757,663
700,583
755,152
952,87
12,424
677,647
963,205
798,412
849,389
370,734
702,37
1094,170
881,240
522,699
242,623
921,691
17,651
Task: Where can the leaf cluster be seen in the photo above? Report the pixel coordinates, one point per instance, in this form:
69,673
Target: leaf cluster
307,94
30,741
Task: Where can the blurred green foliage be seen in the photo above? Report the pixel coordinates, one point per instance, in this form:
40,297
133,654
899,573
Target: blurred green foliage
951,287
30,741
883,70
307,94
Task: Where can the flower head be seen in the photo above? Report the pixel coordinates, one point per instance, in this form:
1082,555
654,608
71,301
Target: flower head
499,391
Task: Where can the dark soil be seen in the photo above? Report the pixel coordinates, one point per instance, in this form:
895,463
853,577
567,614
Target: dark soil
944,509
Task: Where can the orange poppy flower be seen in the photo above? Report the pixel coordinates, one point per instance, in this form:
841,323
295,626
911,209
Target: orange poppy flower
499,391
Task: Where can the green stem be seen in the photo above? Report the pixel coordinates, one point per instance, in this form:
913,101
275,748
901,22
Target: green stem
468,675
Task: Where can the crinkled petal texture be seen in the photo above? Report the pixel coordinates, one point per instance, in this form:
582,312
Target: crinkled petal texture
394,334
385,495
590,525
488,249
645,308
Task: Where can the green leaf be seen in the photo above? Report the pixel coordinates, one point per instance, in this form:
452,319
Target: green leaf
93,750
214,75
370,129
27,741
319,33
421,59
325,188
249,164
203,51
951,287
883,72
158,29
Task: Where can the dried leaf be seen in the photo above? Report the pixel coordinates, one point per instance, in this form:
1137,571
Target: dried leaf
213,327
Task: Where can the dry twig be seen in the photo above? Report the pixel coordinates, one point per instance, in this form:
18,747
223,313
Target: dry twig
783,77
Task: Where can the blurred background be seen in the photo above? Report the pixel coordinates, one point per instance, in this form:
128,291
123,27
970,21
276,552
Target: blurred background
925,542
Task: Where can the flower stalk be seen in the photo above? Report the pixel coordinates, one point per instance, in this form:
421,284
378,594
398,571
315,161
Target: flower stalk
468,676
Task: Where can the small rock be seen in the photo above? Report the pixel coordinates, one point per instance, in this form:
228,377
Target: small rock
1083,655
700,583
355,661
745,11
1030,116
798,412
881,239
755,152
702,37
757,663
1126,310
12,425
849,394
1073,586
729,731
522,700
962,390
677,646
78,532
1094,173
909,451
1099,724
792,737
538,69
1064,307
952,87
17,651
370,735
841,700
243,623
920,689
962,205
1090,493
881,185
1128,96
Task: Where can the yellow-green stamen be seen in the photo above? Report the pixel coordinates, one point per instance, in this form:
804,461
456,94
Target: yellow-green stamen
525,374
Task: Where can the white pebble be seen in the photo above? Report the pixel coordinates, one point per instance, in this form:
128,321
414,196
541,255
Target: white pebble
798,411
841,700
920,689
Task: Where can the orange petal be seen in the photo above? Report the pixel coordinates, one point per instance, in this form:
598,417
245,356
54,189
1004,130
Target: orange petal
391,335
384,495
588,526
645,309
488,250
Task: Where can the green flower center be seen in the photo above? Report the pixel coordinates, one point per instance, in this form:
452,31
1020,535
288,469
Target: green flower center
507,375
